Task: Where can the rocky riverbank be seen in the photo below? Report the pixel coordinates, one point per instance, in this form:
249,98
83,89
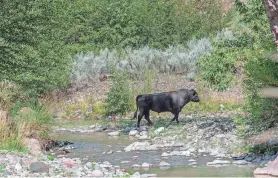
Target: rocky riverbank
196,135
25,165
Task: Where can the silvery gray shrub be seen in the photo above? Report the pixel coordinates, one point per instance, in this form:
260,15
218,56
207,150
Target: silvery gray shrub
135,62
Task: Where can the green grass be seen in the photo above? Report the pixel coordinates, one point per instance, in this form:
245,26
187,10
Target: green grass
2,167
12,144
51,157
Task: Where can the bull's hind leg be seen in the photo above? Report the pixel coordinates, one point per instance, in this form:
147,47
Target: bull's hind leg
141,114
147,117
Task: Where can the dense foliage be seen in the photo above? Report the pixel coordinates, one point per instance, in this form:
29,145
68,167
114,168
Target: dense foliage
37,38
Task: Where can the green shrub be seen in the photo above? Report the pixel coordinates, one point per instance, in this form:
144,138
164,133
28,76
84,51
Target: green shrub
218,69
119,98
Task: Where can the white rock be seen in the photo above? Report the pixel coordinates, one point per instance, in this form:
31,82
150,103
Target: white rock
159,130
135,175
145,165
193,164
136,166
148,175
240,162
164,154
89,165
185,153
18,167
92,127
140,146
133,132
125,162
178,144
97,173
175,153
116,133
143,137
164,164
191,160
219,162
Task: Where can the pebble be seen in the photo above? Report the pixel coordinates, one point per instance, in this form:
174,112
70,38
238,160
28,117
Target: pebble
97,173
240,162
133,132
164,164
18,167
116,133
219,162
145,165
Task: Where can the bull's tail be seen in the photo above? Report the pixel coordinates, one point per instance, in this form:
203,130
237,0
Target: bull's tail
135,113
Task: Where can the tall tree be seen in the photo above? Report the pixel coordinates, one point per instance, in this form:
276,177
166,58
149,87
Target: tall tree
271,7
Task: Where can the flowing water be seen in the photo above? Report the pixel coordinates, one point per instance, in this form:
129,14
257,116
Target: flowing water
99,147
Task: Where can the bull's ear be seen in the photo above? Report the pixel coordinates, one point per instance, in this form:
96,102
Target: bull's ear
194,92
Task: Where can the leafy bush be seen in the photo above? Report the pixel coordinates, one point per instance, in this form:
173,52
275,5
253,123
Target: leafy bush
261,73
119,98
218,68
88,66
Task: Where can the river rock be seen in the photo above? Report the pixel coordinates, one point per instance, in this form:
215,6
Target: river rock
180,153
105,165
116,133
165,154
17,167
33,145
133,132
193,164
125,162
178,144
145,165
89,165
218,162
68,163
240,162
140,146
191,160
97,173
136,166
159,130
147,175
164,164
39,167
135,175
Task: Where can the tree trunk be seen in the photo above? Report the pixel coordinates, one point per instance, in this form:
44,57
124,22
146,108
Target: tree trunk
271,7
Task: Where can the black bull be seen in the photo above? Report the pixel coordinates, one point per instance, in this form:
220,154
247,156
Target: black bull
172,102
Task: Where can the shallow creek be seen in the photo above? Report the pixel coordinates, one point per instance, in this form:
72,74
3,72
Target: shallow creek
99,147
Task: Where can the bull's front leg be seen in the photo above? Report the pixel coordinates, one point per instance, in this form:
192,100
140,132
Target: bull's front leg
175,118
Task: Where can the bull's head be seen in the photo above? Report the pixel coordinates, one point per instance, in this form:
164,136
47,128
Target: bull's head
194,96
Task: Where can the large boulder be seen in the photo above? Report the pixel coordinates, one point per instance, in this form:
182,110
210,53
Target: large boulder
271,170
33,145
39,167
